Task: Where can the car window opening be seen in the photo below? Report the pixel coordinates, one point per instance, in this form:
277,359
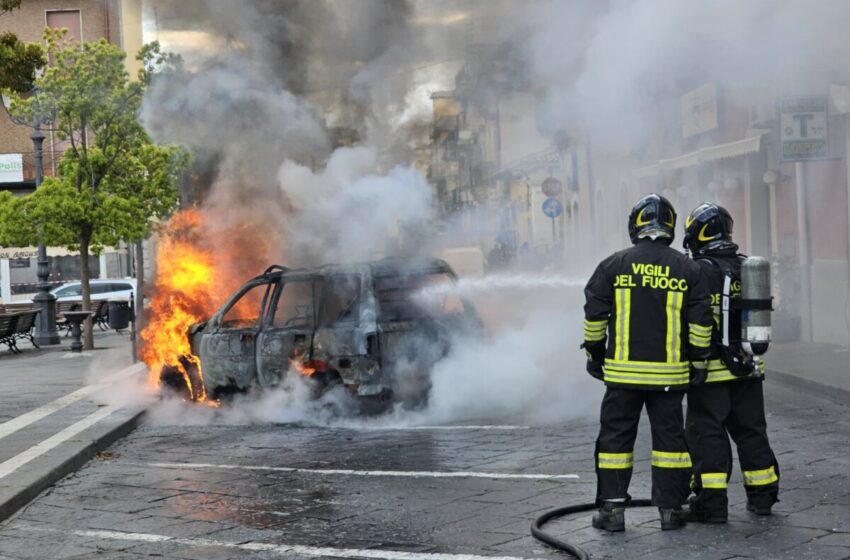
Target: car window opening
397,296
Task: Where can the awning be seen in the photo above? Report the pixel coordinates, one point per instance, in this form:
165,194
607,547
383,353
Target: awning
751,145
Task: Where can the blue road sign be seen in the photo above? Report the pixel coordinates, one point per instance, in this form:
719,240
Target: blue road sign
552,207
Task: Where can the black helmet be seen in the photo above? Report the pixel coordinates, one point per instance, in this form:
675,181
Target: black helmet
708,228
652,213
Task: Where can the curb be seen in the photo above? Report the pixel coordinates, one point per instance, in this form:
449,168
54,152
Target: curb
829,392
16,497
19,488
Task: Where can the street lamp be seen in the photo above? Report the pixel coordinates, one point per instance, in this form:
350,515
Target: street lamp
45,326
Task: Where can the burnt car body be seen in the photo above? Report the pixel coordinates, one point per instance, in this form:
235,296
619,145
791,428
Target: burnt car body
366,326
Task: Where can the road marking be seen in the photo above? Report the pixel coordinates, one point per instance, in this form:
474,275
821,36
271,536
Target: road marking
11,426
11,465
348,472
286,549
455,427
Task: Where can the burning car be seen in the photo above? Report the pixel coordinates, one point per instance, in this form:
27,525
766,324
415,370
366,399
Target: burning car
377,328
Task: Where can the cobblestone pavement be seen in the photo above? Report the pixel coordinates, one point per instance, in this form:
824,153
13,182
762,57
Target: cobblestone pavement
316,492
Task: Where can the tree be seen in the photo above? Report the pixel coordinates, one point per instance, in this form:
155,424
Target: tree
19,63
112,180
9,5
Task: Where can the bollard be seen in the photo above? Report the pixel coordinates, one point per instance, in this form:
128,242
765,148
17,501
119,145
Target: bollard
133,349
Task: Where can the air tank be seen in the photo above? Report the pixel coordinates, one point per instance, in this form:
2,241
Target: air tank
756,304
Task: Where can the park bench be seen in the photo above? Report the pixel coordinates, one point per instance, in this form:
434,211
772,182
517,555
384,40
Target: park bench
8,321
25,325
101,314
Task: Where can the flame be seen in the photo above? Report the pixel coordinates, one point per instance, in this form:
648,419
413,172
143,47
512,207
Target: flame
307,368
185,271
201,259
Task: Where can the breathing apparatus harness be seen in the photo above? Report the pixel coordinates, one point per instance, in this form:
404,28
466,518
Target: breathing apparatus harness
732,353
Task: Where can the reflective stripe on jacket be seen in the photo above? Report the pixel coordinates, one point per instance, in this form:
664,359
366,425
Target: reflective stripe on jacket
649,305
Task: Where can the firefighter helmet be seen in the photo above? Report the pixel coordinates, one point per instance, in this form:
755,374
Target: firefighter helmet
708,228
652,215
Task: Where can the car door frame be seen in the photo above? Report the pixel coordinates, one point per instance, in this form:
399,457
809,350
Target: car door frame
276,345
228,355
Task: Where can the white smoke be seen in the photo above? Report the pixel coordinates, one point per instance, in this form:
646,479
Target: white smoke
348,212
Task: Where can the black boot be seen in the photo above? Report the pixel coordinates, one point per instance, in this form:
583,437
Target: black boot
701,514
759,509
671,518
611,517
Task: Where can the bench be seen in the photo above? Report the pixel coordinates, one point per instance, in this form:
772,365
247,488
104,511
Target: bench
101,314
8,322
25,325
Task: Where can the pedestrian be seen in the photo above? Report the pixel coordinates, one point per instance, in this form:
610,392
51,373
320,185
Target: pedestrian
646,334
731,400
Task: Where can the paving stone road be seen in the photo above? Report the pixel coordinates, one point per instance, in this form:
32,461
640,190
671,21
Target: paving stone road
295,491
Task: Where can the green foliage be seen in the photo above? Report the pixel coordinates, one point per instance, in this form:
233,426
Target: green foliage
19,62
9,5
112,180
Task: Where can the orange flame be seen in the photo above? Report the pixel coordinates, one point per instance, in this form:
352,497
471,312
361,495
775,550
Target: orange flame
199,263
184,274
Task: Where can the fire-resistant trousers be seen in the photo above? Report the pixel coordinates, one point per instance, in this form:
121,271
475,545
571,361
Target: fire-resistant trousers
736,407
671,464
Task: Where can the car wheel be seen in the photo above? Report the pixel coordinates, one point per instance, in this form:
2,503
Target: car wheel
173,380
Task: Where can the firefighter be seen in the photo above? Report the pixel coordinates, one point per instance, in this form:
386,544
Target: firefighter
647,330
731,399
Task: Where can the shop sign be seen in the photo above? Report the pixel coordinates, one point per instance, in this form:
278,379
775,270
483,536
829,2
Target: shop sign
699,110
11,168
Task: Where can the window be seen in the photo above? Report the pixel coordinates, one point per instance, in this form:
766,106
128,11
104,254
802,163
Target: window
98,288
69,19
73,290
405,298
121,287
295,305
342,300
244,313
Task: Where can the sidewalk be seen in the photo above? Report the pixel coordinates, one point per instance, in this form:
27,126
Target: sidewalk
52,412
820,368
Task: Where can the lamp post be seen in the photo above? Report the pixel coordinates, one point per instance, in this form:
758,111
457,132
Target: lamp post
45,326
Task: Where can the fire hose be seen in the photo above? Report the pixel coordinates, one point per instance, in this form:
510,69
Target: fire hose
572,549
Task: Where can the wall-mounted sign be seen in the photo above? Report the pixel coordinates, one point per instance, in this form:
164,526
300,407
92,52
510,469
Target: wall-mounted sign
803,128
11,168
19,263
699,110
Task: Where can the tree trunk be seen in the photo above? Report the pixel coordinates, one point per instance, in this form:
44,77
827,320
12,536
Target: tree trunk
88,341
140,286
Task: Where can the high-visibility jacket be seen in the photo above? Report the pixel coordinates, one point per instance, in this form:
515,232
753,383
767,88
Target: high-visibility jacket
649,303
714,277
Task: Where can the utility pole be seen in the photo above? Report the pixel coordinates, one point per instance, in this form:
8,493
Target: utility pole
803,243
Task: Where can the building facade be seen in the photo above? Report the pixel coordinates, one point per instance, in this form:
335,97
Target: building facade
118,21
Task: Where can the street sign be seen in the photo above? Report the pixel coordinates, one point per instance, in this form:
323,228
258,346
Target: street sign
552,207
803,128
551,187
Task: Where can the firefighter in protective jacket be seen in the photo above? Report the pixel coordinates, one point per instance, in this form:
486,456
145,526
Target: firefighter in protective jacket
731,399
647,330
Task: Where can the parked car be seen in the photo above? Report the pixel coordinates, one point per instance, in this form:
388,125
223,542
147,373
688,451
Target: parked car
365,326
111,288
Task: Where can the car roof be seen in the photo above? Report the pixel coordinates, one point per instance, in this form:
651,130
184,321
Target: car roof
391,266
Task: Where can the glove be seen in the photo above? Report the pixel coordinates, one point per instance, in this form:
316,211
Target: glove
699,373
595,352
594,368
